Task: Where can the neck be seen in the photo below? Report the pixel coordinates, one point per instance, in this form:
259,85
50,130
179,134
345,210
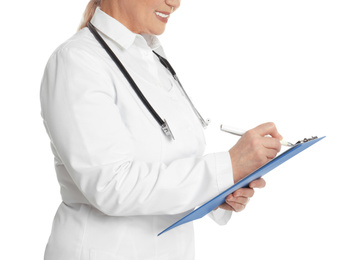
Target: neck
115,10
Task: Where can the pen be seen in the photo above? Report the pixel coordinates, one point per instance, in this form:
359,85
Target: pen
240,132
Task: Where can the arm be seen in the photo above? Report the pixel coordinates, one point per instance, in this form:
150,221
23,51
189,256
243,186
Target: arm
86,128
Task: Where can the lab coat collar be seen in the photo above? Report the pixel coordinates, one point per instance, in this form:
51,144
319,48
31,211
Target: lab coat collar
119,33
152,41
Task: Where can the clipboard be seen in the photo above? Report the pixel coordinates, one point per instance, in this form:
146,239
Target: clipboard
220,199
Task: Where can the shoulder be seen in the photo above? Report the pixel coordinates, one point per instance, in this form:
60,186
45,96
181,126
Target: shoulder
82,46
77,66
77,60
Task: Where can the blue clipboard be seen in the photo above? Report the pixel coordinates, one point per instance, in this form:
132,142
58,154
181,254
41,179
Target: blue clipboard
220,199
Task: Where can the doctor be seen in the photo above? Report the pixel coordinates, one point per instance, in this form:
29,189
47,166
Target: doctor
122,179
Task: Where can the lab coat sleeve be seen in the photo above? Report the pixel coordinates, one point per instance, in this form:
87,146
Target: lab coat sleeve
86,129
220,216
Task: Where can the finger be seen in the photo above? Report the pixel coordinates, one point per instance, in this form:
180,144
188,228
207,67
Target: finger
243,192
226,206
271,143
239,200
237,207
259,183
270,153
268,129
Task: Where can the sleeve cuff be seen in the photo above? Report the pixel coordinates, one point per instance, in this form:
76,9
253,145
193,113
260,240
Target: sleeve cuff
224,172
220,216
224,178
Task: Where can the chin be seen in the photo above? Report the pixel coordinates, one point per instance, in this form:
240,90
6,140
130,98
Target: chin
157,31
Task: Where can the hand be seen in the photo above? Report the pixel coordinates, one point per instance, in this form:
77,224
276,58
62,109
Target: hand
256,147
238,200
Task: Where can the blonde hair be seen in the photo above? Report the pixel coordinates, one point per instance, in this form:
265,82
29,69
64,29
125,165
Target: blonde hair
89,12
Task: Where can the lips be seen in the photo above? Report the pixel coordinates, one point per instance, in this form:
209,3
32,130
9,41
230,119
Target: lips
162,16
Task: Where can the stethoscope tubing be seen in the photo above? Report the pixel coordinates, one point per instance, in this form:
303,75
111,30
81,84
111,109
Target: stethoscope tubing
162,122
126,74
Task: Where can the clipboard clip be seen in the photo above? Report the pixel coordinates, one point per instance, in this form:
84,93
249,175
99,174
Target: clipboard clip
305,140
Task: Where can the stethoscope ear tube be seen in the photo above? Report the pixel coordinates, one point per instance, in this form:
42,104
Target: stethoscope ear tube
162,122
166,64
166,130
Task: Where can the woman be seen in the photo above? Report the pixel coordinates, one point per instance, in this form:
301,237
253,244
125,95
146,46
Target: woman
122,179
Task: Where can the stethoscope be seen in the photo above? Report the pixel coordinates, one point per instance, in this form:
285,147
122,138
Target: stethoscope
162,122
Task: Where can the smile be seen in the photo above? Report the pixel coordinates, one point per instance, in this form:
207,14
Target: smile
163,15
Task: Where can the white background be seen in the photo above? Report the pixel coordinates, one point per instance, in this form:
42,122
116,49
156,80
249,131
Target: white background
296,63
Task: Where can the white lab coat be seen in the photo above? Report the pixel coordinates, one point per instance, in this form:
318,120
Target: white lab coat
122,180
